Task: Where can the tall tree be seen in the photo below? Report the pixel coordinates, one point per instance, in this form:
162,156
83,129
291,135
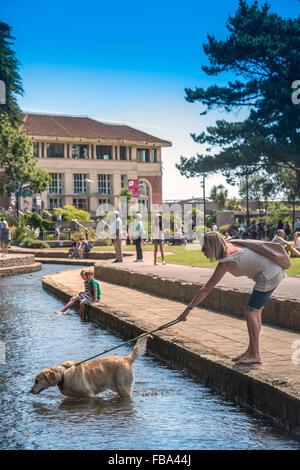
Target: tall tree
9,74
17,163
262,52
219,195
260,188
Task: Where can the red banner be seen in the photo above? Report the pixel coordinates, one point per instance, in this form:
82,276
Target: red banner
133,186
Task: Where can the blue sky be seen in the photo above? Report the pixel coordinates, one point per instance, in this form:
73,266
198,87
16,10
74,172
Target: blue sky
125,62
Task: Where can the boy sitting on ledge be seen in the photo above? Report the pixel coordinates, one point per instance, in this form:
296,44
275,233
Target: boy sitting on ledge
93,295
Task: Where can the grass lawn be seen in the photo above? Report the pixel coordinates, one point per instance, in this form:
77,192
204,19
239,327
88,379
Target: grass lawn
197,258
183,255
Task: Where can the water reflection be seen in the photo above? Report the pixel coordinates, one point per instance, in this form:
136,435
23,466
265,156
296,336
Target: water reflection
164,401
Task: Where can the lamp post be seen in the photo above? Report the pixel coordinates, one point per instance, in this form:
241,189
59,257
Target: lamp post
204,204
247,201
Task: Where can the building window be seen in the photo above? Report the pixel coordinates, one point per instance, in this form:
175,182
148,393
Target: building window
35,149
80,151
104,184
80,203
129,153
54,202
153,155
144,195
123,181
92,151
42,152
103,152
104,203
144,189
55,150
56,183
142,155
123,152
80,185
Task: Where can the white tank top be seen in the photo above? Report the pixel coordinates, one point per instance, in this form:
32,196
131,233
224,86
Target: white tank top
266,274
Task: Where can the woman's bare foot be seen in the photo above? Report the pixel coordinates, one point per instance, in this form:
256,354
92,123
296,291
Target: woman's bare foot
240,356
249,360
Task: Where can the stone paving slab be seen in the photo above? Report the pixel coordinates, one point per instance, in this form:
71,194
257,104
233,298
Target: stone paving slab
288,288
212,336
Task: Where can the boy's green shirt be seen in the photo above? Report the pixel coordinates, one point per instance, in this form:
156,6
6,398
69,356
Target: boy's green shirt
91,284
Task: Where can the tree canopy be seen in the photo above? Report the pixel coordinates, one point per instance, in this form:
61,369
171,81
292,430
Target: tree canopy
17,163
262,52
9,74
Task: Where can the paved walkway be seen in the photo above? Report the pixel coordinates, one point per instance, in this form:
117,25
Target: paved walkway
222,335
288,288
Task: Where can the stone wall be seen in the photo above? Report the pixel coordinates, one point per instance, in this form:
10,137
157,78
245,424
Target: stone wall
279,312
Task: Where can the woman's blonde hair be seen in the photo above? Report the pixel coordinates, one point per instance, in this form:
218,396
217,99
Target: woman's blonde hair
214,245
4,224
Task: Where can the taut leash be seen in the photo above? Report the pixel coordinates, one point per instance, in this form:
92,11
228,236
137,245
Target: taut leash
166,325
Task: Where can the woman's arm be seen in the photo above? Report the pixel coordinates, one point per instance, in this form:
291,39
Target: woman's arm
203,292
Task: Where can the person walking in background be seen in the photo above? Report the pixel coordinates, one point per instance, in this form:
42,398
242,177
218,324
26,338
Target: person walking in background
138,232
280,225
253,230
241,261
116,235
287,229
158,238
261,229
297,226
5,238
57,233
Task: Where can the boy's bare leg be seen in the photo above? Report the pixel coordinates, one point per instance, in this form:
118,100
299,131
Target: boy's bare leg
71,302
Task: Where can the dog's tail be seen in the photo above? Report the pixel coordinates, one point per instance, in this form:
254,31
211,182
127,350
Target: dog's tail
139,349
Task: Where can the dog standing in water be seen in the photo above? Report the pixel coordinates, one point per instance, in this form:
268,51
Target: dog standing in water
90,378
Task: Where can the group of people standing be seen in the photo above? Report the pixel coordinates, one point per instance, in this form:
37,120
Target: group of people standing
137,235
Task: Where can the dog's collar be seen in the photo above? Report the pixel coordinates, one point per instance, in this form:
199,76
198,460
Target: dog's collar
61,383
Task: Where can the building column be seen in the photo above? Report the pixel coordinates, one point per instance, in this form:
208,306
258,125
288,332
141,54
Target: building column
116,151
133,153
68,184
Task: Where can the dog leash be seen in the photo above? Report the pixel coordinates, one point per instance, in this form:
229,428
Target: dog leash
166,325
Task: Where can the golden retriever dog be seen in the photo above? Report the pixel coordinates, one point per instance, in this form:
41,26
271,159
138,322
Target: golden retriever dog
90,378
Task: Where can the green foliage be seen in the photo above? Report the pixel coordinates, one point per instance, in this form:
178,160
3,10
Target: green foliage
69,213
30,242
22,229
48,225
219,195
35,220
9,73
224,228
233,204
46,215
17,161
211,219
262,50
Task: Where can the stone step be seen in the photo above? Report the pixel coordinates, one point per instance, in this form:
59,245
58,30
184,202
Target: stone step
14,270
16,260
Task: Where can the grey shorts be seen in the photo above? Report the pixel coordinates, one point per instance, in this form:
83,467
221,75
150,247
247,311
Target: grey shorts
86,299
258,299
